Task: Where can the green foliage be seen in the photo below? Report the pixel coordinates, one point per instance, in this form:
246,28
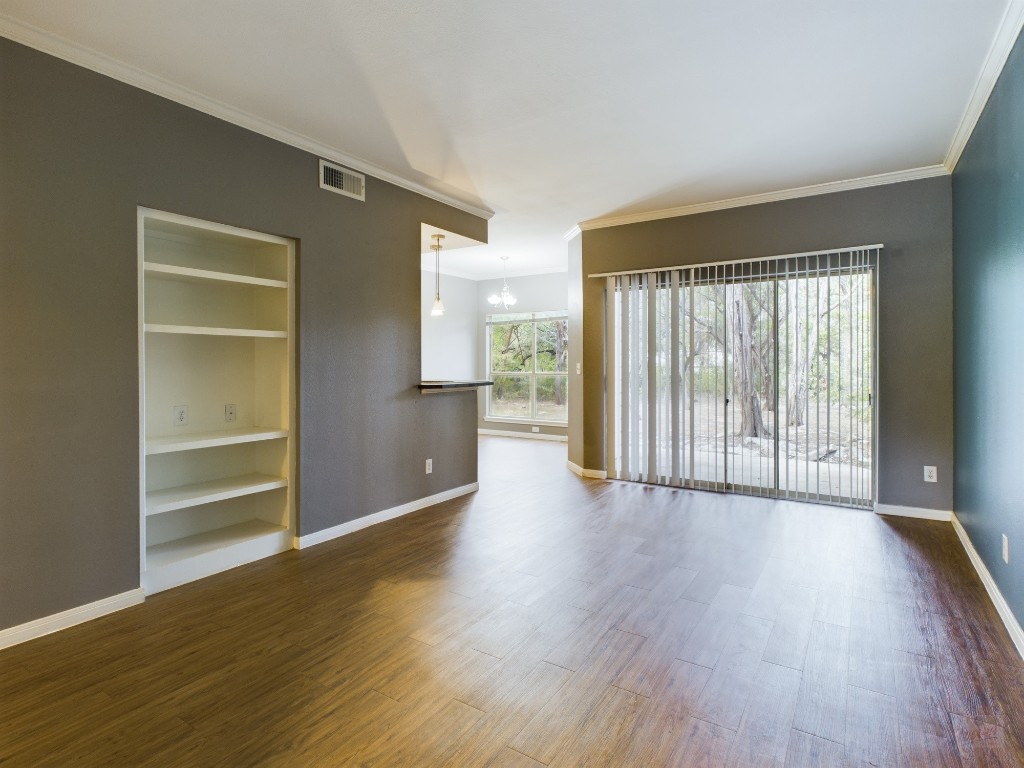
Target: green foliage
528,362
512,347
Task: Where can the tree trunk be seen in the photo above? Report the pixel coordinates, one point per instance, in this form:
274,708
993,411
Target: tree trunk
796,381
803,346
767,366
751,419
561,357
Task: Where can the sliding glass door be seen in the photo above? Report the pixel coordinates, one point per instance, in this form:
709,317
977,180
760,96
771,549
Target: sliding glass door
753,377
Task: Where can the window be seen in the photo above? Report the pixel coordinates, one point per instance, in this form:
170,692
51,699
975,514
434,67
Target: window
753,376
527,359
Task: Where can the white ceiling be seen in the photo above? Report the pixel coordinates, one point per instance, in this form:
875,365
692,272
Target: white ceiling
553,113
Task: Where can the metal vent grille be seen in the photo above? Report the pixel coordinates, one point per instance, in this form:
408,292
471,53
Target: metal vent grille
342,180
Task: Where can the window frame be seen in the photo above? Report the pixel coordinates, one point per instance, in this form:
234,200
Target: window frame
533,319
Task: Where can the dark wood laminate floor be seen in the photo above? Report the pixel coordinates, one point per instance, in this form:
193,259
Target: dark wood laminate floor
547,620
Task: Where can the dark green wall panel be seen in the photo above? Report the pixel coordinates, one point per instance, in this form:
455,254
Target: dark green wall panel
988,248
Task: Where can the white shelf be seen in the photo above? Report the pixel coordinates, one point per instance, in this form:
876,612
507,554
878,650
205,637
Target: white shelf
171,499
162,555
194,557
201,330
191,442
202,280
189,274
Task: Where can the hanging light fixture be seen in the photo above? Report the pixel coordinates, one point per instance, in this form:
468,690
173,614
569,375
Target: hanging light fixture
438,309
506,299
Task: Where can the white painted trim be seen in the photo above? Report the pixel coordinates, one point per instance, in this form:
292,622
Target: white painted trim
919,512
528,435
526,422
69,618
319,537
769,197
62,48
754,260
1005,613
596,474
224,556
1005,38
572,233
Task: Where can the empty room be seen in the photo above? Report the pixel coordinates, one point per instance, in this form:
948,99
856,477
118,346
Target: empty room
465,384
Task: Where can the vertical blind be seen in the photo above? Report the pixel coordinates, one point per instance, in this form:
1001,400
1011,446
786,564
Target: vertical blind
753,376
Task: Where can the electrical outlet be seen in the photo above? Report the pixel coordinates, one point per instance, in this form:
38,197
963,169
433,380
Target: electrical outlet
229,412
931,475
535,429
179,415
579,368
1006,549
430,466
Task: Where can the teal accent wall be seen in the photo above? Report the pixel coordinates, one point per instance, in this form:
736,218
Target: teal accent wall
988,320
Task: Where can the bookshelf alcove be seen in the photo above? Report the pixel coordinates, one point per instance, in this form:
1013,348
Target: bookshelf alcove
217,401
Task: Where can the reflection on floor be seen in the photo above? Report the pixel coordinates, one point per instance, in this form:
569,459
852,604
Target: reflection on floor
547,620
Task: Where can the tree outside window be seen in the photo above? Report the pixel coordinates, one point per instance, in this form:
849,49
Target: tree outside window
528,358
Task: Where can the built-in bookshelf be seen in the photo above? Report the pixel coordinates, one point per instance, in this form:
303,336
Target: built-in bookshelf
216,355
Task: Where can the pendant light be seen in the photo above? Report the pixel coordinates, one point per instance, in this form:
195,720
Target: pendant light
506,299
438,309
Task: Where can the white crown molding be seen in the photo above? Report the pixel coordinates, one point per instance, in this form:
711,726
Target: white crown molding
1002,607
1006,36
319,537
75,53
877,180
69,618
572,233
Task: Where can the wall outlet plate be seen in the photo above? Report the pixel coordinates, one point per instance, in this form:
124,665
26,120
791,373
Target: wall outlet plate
430,466
179,415
230,414
931,475
1006,549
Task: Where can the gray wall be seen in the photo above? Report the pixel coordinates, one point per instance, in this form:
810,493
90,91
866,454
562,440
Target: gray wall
988,249
912,219
78,153
534,293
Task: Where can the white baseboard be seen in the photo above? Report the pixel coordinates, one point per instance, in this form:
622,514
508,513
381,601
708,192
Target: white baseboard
319,537
576,469
528,435
1012,625
69,618
918,512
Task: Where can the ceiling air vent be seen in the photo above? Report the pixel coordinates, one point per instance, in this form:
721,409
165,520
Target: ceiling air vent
342,180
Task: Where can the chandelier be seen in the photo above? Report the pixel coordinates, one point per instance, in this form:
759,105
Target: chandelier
505,298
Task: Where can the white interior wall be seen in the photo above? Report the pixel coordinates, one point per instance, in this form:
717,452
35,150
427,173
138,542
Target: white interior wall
450,344
534,293
454,346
